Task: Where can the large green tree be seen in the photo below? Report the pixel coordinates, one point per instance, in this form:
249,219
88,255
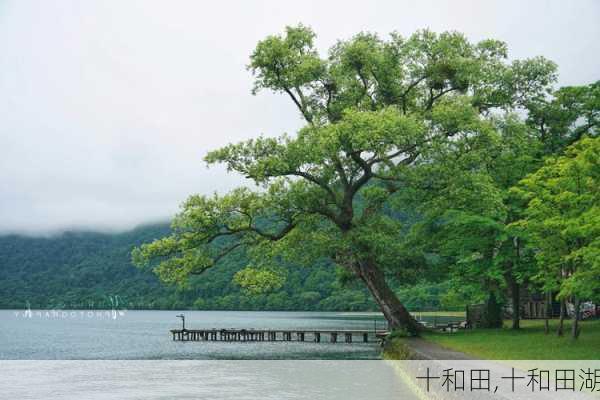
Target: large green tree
373,109
468,208
563,217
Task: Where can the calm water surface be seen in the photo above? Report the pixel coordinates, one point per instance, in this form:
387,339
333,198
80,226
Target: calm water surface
201,379
144,335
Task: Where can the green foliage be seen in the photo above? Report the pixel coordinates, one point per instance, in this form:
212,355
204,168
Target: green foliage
369,73
567,116
427,296
403,174
87,269
563,218
78,270
468,209
257,281
395,347
382,117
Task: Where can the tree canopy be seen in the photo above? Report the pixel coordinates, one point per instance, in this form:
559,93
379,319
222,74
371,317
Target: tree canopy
383,119
563,217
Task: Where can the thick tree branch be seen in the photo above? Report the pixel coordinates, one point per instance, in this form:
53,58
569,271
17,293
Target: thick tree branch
366,93
391,156
269,236
362,180
305,114
433,98
318,182
218,258
340,170
410,87
300,104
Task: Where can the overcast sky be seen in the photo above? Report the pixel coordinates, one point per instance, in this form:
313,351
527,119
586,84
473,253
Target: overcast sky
107,107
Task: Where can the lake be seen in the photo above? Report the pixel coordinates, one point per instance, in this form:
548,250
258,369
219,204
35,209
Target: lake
73,355
144,335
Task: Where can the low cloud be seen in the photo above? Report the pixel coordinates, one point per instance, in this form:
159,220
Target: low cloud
107,108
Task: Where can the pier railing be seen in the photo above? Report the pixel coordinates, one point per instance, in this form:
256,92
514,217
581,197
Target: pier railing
275,335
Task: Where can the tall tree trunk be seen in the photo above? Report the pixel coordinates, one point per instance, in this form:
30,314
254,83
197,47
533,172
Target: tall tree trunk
515,288
576,317
548,313
515,295
561,320
394,311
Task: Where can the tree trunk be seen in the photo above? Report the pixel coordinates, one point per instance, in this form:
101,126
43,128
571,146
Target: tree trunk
393,310
576,316
516,302
515,288
548,313
492,314
563,309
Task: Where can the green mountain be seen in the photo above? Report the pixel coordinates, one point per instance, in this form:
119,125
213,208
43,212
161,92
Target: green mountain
81,270
93,270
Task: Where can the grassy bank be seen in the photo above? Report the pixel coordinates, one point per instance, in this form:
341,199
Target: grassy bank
529,343
395,348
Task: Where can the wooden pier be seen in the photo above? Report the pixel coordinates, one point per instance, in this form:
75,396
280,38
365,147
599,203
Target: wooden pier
277,335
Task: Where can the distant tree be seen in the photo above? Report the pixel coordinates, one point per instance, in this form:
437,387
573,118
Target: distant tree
373,109
563,217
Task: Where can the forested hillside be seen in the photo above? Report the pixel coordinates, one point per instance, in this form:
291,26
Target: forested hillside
86,269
